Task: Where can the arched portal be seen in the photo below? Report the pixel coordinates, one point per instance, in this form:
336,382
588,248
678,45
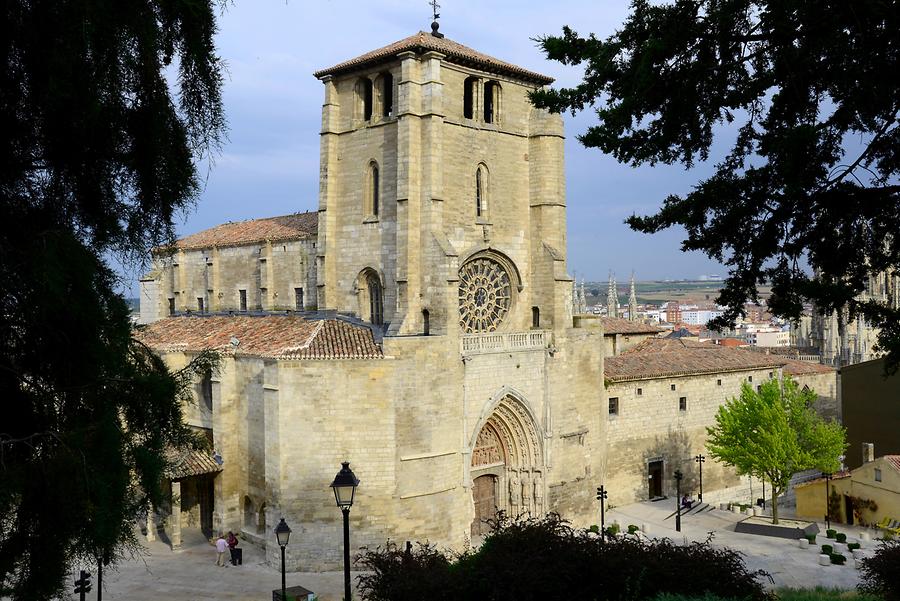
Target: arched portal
507,465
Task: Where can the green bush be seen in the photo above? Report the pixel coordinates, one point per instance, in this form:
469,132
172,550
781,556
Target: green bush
632,529
827,549
594,528
821,594
853,546
879,573
830,533
612,530
811,538
548,559
841,537
838,559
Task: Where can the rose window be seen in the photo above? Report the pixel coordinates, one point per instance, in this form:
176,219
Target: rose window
484,295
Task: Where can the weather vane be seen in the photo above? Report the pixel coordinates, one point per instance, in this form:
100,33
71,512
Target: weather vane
434,24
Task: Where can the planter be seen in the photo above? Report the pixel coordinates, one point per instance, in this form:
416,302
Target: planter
839,548
803,543
763,526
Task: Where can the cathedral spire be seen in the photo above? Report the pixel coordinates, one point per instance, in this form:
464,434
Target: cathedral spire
612,298
632,301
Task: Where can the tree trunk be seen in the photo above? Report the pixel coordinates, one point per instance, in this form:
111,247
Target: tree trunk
775,494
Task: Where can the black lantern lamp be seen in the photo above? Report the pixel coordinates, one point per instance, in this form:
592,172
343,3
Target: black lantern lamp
344,487
282,535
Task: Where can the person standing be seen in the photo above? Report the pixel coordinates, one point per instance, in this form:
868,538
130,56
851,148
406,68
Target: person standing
232,547
221,545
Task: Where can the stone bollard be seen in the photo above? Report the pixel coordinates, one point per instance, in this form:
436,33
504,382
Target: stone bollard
723,506
864,536
839,548
736,509
824,560
749,511
756,511
857,554
803,543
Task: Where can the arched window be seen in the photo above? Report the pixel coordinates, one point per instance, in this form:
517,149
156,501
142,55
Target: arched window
373,190
469,97
386,86
364,97
249,515
492,102
481,191
376,305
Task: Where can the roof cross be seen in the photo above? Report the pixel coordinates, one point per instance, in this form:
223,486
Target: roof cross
434,9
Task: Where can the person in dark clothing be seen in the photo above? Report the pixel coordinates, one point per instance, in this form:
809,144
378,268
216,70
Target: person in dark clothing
232,547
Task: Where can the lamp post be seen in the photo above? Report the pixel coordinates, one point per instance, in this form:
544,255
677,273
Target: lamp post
827,485
700,459
678,477
344,486
282,535
601,496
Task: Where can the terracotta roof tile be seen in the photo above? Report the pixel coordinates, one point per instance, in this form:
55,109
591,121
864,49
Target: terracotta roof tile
794,367
190,463
616,325
424,42
660,357
893,461
269,336
284,227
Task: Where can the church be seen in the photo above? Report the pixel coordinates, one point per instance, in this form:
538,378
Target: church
420,325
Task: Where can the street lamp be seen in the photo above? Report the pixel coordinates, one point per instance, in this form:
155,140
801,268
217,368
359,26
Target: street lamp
827,484
344,486
282,535
601,496
678,477
700,459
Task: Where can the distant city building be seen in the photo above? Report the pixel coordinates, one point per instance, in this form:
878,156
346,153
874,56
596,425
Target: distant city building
699,317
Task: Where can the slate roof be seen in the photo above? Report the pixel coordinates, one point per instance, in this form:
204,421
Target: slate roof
423,42
267,336
793,367
665,357
184,464
617,325
283,227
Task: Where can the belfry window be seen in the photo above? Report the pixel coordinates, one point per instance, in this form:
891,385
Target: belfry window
491,102
469,97
364,97
479,192
376,306
387,94
373,189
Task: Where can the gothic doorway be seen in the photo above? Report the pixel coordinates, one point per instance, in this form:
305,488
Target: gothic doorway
507,468
655,478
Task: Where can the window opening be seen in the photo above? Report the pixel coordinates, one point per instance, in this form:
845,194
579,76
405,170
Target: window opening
375,190
640,391
877,474
682,403
535,317
479,193
718,382
206,391
171,306
749,378
376,309
490,101
200,304
243,299
469,97
673,387
298,299
426,320
367,99
387,95
614,405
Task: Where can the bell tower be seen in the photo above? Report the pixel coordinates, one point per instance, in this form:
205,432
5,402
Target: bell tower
442,193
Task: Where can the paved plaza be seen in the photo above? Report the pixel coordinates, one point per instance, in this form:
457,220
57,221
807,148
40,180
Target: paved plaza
191,573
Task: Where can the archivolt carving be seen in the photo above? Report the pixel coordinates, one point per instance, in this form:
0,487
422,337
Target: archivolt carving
513,428
488,448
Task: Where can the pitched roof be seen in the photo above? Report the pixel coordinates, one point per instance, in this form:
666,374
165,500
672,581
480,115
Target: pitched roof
660,357
794,367
283,227
183,464
268,336
424,42
617,325
893,461
731,342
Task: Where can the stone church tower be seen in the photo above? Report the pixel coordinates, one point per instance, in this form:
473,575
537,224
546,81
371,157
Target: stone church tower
433,160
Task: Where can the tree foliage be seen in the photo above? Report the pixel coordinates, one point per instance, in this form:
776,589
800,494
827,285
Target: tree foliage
98,155
879,574
546,558
813,92
773,434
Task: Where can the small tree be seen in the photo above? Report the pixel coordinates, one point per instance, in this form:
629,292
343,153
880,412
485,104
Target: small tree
773,434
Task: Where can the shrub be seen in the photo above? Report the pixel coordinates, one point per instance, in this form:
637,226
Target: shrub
853,546
838,559
632,529
811,538
841,537
827,549
612,530
594,528
530,558
878,574
830,533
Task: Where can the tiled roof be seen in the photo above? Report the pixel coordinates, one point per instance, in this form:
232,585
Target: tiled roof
424,42
661,357
284,227
793,367
893,461
183,464
731,342
616,325
269,336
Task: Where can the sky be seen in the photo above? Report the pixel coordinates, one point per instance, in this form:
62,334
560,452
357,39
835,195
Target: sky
270,163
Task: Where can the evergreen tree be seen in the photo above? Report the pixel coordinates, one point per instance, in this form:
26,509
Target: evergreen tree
813,90
773,434
98,155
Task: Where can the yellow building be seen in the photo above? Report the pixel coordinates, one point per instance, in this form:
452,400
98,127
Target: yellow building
864,496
